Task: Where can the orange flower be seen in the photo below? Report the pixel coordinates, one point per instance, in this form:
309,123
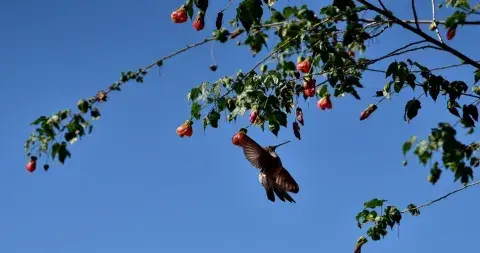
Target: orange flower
304,66
185,129
199,22
179,15
324,103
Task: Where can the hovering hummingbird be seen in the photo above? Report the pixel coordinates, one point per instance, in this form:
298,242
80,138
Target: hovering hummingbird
273,176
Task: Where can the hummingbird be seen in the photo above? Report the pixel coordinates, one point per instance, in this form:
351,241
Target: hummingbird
273,176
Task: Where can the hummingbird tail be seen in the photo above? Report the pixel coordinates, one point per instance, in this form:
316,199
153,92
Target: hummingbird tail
282,194
270,194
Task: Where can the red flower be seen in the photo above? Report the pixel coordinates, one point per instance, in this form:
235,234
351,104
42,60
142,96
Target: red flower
366,113
237,139
324,103
253,116
32,164
304,66
451,33
300,115
309,88
199,22
296,130
185,129
179,16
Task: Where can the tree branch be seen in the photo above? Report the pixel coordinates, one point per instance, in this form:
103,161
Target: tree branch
148,67
419,71
395,51
420,21
415,14
434,21
444,196
405,51
421,34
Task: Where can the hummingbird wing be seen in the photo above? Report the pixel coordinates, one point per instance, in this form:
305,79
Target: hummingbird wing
286,181
256,154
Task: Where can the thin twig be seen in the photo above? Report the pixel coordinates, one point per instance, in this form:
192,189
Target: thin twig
148,67
420,21
211,53
434,21
383,6
415,14
379,33
415,49
444,196
228,5
420,33
419,71
396,50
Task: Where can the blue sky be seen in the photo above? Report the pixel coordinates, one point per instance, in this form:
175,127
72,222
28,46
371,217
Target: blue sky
135,186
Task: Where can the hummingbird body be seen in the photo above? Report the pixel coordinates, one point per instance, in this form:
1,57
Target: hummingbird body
273,176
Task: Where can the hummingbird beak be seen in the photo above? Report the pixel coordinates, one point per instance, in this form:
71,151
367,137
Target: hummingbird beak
275,147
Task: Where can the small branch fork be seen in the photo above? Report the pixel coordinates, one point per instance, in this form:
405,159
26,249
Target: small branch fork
394,19
435,22
445,196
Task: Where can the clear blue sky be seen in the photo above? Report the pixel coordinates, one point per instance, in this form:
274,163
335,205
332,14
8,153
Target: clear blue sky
135,186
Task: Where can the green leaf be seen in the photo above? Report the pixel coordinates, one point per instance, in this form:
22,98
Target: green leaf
194,93
222,104
95,114
407,146
289,11
452,106
362,217
423,152
422,68
274,127
434,89
410,79
201,4
476,89
397,87
55,149
463,172
221,35
374,203
394,214
392,68
249,12
213,118
473,111
83,105
189,7
466,120
414,211
195,110
477,76
435,174
411,109
63,153
39,120
281,118
474,162
322,91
